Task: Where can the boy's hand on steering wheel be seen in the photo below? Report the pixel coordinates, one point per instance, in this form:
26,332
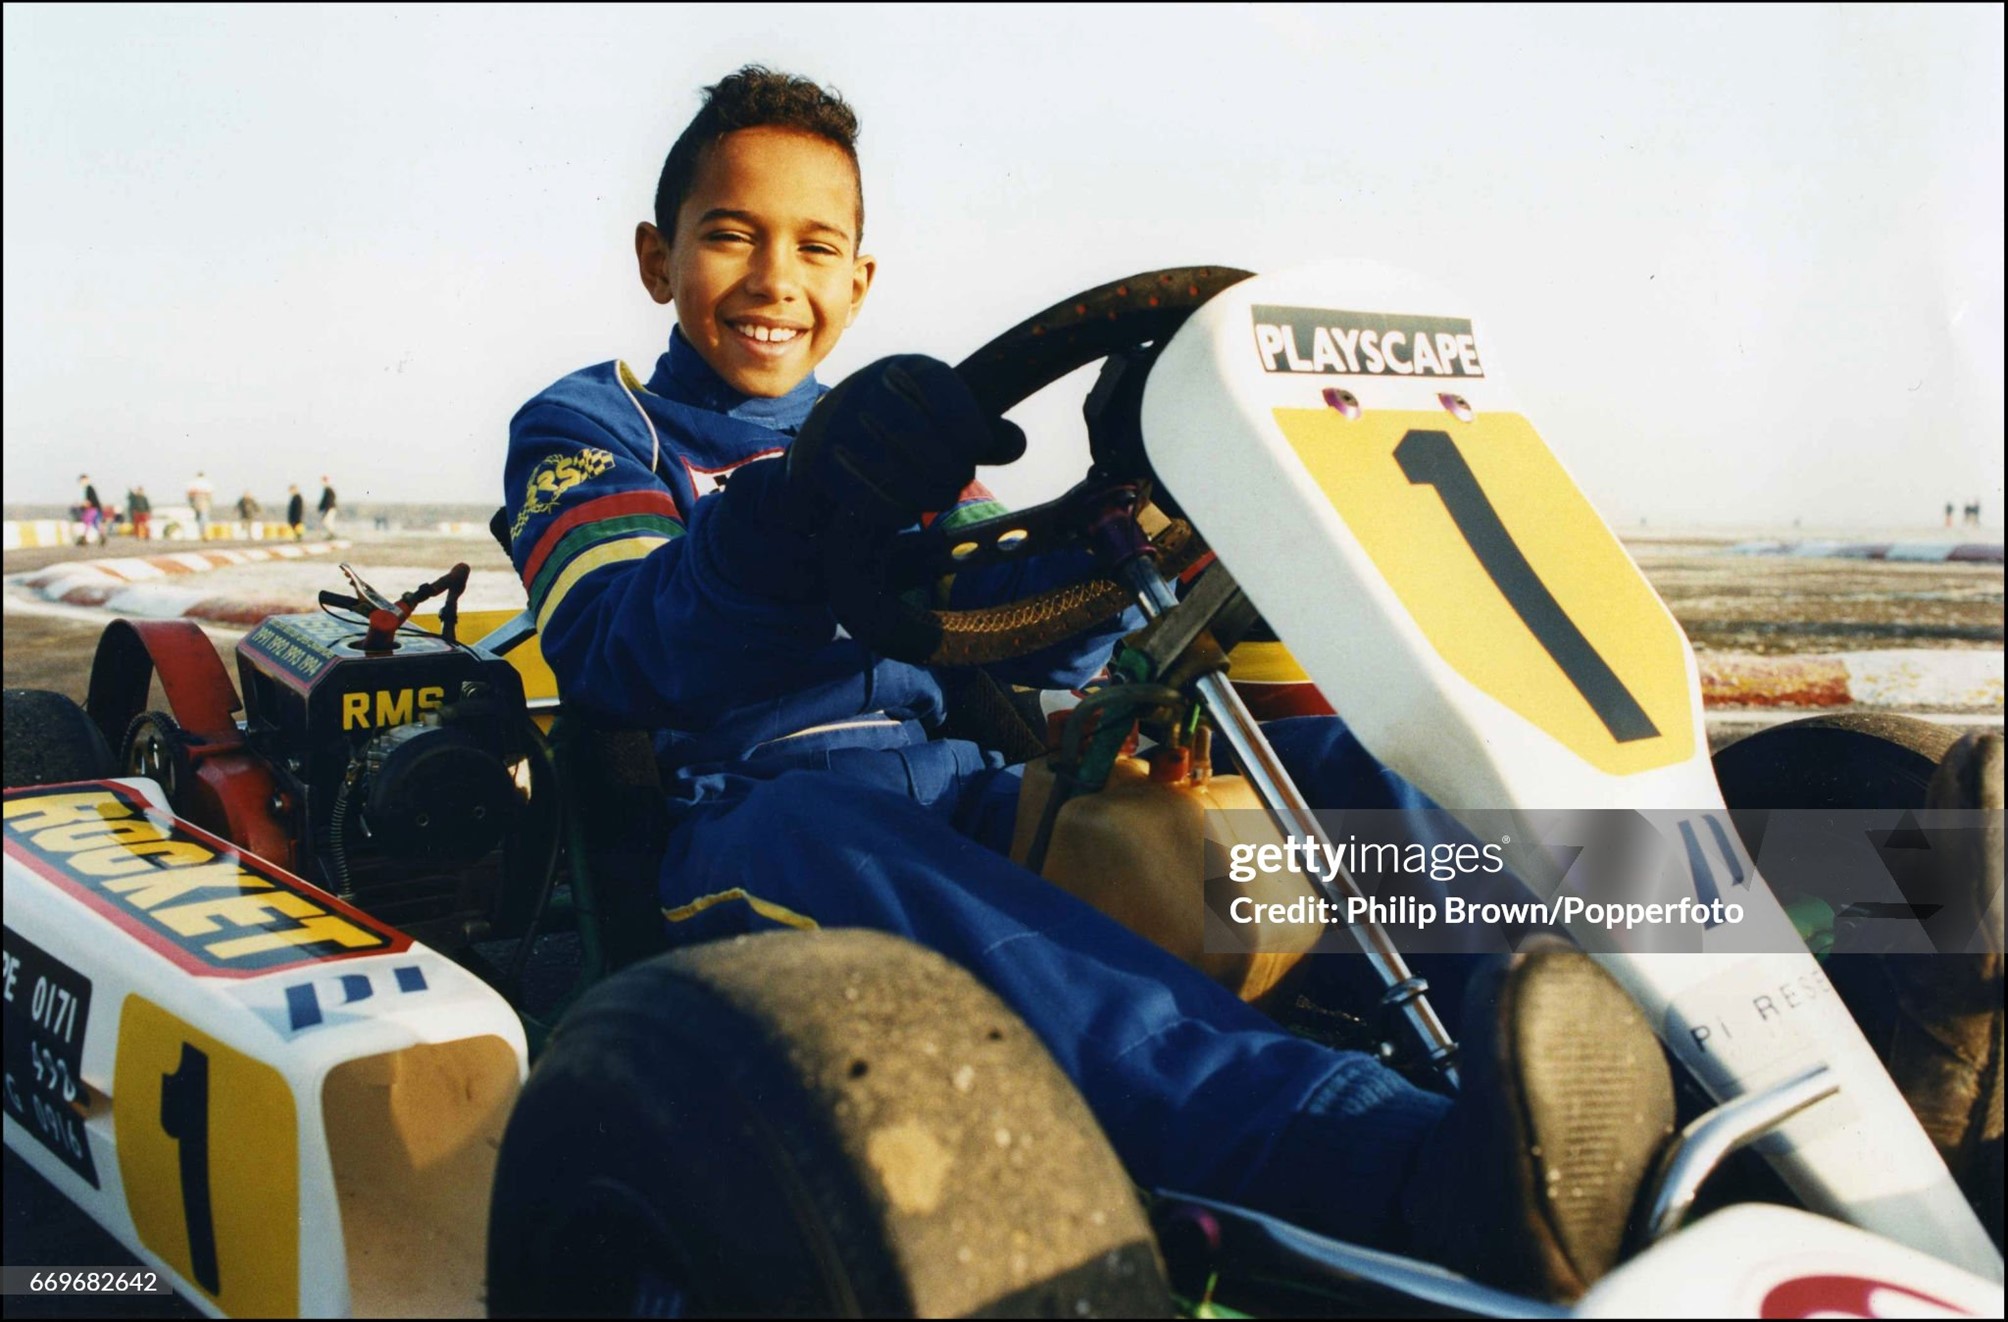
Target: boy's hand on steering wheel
895,440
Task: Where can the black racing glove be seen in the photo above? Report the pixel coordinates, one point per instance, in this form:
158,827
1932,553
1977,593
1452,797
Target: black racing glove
752,544
894,441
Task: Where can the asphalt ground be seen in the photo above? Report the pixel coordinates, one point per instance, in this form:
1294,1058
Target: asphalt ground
1772,605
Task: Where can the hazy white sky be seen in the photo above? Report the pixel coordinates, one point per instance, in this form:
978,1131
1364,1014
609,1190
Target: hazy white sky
1740,263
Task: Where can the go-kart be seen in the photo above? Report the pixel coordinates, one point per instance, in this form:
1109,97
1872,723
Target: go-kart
257,1024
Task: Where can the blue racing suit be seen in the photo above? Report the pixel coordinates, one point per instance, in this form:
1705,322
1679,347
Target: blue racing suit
806,790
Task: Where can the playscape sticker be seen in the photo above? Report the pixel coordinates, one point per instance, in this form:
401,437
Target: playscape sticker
1327,341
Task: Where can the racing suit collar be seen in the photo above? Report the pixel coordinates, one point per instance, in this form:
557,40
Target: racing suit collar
682,374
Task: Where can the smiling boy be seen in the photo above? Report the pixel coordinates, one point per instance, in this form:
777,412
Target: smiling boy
674,576
764,271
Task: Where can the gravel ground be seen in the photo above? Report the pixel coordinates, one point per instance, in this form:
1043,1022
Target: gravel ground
1774,605
50,647
1778,605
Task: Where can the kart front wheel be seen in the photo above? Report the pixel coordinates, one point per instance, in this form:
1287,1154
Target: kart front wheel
827,1123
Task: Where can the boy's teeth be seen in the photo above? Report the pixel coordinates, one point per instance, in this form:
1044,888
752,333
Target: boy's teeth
766,334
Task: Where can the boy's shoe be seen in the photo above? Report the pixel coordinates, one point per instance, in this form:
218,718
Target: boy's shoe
1936,1020
1565,1103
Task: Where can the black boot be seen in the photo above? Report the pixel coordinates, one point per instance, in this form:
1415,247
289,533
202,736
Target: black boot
1936,1020
1530,1183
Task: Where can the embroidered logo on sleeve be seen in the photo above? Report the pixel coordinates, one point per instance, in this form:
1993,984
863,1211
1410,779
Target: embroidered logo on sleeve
552,478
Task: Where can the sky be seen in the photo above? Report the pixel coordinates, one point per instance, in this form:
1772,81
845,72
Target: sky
1740,264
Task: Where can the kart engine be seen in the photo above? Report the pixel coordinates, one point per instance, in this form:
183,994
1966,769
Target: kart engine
403,762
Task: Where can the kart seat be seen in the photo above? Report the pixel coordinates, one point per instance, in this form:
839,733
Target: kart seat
613,794
611,789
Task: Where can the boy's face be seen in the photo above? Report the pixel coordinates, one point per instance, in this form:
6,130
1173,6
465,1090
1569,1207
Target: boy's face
765,246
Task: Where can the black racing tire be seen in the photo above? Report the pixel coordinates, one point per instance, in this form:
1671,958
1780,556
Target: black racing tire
1837,764
809,1123
1844,763
49,740
1849,760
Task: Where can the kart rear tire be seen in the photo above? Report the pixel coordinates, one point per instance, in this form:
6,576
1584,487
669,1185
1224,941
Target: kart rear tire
49,740
1846,761
809,1123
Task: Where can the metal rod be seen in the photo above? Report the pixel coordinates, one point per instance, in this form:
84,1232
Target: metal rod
509,635
1709,1140
1386,1283
1265,771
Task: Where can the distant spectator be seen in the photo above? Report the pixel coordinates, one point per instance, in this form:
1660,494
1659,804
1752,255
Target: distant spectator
141,510
296,511
90,512
200,492
327,507
248,510
1948,514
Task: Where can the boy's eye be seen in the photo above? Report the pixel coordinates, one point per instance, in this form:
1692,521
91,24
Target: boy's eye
729,236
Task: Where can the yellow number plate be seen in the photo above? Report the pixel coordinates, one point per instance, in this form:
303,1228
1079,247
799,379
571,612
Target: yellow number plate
1510,575
209,1153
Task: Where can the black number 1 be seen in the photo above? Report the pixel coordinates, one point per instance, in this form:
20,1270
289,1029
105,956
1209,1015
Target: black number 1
184,1114
1431,458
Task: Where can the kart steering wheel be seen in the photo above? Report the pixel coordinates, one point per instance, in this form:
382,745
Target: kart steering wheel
866,573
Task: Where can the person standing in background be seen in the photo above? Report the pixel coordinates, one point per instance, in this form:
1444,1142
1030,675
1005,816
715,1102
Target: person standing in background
296,511
141,510
327,507
90,512
200,492
248,510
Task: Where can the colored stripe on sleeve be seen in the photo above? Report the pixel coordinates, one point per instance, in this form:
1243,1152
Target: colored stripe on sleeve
607,553
580,540
606,507
975,511
974,496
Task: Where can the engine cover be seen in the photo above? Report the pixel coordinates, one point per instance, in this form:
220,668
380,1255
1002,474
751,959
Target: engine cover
399,761
434,792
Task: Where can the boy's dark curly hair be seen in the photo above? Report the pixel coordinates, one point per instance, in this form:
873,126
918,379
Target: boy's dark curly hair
755,97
